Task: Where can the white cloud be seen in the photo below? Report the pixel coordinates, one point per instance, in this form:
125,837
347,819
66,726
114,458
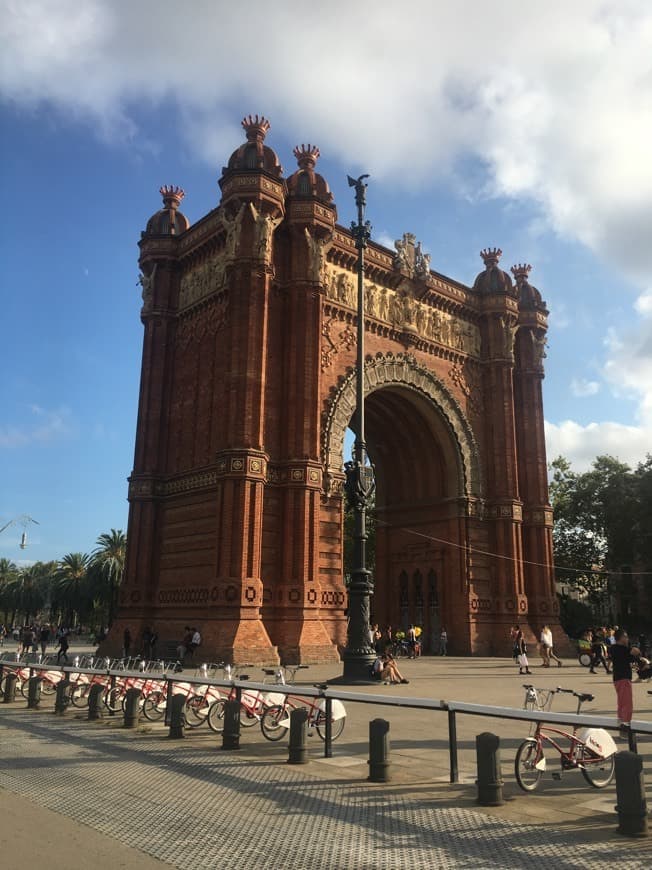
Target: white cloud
49,426
628,372
553,98
580,387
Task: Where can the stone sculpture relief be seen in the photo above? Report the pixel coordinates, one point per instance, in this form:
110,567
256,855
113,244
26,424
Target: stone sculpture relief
147,283
403,311
202,281
318,248
264,235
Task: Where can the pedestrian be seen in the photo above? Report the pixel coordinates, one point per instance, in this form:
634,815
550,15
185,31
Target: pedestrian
44,638
63,647
126,643
523,663
443,642
513,632
622,656
546,644
598,651
184,647
412,641
147,643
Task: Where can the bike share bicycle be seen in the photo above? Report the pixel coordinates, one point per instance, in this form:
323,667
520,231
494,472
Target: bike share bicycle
590,750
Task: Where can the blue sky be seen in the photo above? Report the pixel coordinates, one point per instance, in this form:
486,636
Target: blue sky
479,127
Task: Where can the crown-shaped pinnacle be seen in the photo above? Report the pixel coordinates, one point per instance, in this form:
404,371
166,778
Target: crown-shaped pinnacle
172,195
520,271
307,155
491,256
256,128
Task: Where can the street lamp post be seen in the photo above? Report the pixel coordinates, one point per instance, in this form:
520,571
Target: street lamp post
359,485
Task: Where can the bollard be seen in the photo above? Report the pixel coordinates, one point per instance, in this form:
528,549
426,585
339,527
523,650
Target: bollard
132,708
95,701
378,751
10,688
33,692
489,782
177,717
62,697
231,733
298,753
630,794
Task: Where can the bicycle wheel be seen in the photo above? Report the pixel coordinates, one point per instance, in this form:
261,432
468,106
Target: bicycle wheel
584,659
598,772
337,726
247,717
48,687
270,723
79,694
113,700
196,710
154,706
215,716
24,688
525,769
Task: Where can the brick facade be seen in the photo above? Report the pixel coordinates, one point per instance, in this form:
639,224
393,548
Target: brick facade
247,388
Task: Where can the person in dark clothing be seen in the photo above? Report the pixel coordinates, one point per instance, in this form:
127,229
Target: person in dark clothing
63,647
598,649
126,643
44,638
622,656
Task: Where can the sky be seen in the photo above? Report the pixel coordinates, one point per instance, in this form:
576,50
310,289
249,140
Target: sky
509,124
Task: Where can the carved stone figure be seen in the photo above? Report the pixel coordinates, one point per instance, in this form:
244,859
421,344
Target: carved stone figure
383,305
509,336
317,249
147,283
265,226
421,262
370,299
539,342
233,227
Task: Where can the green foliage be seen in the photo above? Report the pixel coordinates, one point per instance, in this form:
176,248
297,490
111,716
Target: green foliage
603,521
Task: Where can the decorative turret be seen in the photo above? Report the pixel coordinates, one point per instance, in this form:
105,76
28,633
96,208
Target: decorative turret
254,154
529,296
305,182
493,279
169,221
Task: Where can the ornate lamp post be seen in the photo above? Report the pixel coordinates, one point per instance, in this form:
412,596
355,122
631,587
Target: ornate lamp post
359,486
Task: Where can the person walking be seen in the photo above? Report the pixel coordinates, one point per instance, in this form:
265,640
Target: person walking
546,645
523,663
598,650
443,642
126,643
63,647
622,656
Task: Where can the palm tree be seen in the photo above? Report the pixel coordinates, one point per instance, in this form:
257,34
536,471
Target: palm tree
8,574
71,582
109,556
31,589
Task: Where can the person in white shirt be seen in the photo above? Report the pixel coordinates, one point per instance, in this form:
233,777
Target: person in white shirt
546,647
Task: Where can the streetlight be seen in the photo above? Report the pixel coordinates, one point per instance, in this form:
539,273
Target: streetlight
22,520
359,484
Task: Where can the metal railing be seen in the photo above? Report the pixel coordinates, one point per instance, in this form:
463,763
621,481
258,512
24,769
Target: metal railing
452,708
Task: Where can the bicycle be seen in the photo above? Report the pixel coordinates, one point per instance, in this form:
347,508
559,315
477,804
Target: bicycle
254,703
590,750
275,721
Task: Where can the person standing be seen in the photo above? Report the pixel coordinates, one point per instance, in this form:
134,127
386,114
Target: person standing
598,650
523,663
44,637
622,656
443,642
546,644
412,641
126,643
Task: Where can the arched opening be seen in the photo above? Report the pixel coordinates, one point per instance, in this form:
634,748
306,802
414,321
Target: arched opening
418,471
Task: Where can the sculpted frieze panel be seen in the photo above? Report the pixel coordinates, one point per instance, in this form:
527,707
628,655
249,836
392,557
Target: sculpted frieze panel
402,311
202,281
206,320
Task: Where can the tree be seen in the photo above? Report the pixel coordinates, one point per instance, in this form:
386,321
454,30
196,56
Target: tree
109,558
8,575
72,586
603,526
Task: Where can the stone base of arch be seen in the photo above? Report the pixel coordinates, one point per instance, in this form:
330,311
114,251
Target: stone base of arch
302,641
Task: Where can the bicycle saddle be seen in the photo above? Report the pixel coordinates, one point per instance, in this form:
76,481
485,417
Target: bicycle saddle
271,672
585,696
321,686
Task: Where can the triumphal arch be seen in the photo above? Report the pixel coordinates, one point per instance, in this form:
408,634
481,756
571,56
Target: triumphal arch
247,389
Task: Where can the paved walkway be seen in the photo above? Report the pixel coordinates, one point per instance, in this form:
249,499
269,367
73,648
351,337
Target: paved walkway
189,804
